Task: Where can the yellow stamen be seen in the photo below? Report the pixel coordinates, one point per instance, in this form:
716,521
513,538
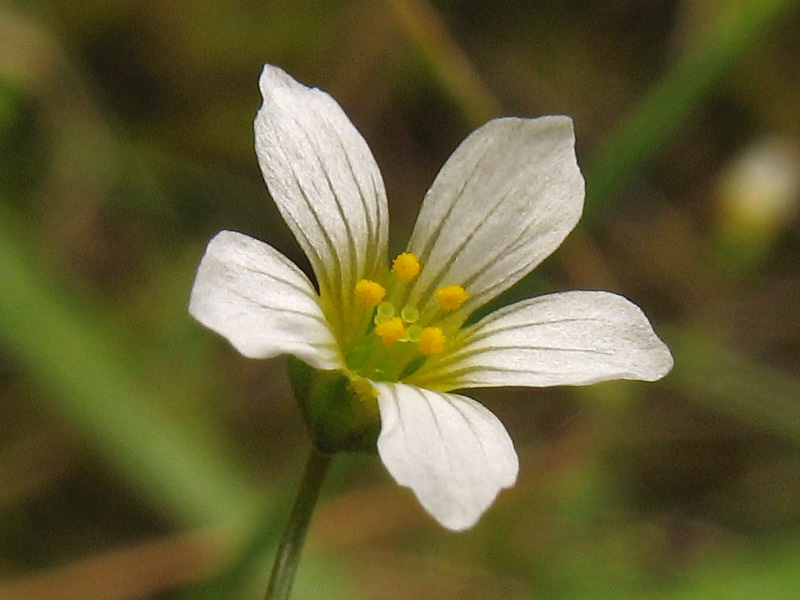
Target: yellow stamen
369,293
432,340
451,297
406,266
390,330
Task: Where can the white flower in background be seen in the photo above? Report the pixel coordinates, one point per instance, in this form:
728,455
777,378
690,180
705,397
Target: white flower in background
501,204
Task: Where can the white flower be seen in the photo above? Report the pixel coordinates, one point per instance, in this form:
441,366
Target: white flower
501,204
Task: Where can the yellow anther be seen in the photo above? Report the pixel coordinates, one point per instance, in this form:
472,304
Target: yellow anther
432,340
451,297
390,330
406,266
369,293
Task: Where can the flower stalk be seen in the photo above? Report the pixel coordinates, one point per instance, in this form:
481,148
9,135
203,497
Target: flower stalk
291,545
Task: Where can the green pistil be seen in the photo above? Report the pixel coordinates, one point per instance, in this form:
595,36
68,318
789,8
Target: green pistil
384,312
372,359
409,314
370,356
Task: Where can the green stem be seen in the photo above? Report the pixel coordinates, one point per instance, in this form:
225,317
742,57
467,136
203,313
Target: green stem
283,571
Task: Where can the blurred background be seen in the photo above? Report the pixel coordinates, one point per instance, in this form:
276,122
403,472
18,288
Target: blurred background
141,457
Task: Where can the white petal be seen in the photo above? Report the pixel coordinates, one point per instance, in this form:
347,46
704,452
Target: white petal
325,182
572,338
261,302
506,198
451,451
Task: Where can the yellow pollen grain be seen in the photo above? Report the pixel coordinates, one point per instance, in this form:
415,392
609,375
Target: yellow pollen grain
369,293
406,267
432,340
451,297
391,330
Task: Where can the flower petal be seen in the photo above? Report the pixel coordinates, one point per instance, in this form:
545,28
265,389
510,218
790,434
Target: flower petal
325,182
261,302
572,338
506,198
451,451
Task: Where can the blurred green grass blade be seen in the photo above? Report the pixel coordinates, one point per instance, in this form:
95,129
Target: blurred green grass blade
82,377
446,59
671,101
735,385
768,572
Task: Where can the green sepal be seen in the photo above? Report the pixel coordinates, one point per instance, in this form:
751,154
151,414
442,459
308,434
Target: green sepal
338,418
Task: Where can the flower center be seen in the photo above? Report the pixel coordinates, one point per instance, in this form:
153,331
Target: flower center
398,342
